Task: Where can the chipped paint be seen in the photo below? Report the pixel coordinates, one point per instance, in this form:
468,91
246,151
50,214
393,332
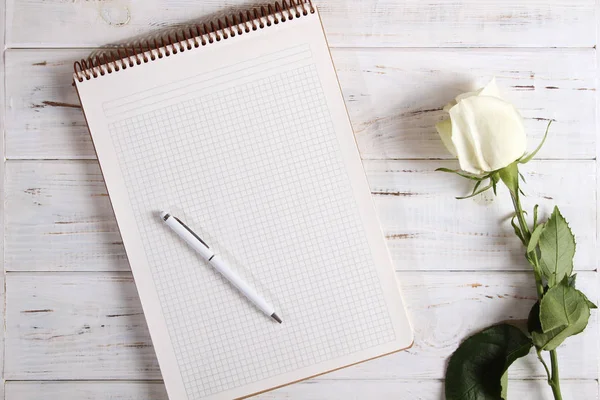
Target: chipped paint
115,14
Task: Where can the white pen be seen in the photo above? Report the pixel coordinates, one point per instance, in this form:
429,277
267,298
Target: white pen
218,263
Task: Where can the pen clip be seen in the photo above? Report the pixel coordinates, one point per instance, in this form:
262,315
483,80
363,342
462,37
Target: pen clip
191,231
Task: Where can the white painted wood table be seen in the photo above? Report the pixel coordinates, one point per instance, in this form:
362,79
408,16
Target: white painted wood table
74,328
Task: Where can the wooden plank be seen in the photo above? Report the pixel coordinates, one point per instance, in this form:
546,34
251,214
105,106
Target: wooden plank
394,98
55,316
410,23
428,229
90,326
2,191
59,217
310,390
86,390
65,218
43,110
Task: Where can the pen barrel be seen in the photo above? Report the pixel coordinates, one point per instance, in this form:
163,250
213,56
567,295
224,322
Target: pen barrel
189,238
219,264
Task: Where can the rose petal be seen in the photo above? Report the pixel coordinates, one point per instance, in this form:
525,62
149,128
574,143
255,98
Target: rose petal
448,106
491,89
466,95
487,133
444,128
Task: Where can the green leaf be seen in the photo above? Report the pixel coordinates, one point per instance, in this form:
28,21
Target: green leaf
560,306
535,215
563,312
571,282
533,319
476,187
510,177
495,178
526,158
591,305
476,369
476,193
460,173
557,246
535,237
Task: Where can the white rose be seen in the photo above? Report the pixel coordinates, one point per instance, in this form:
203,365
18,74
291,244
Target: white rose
485,132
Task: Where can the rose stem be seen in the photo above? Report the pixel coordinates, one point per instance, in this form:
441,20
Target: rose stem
553,380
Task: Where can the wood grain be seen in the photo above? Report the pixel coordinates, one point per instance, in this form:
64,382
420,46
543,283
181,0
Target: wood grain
313,389
76,327
394,98
411,23
59,216
91,326
49,116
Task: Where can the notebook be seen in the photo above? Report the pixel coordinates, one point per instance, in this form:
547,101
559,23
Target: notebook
239,128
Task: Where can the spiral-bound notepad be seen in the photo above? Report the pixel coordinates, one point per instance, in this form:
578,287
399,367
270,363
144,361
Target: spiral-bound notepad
239,127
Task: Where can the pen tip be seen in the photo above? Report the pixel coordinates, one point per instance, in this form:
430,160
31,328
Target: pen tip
275,317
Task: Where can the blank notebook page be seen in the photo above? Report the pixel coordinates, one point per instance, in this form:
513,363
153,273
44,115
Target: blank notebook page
247,140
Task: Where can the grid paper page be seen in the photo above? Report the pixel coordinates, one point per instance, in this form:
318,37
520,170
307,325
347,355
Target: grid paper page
254,151
266,180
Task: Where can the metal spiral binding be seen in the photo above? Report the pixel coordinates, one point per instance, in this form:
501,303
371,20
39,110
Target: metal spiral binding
193,36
